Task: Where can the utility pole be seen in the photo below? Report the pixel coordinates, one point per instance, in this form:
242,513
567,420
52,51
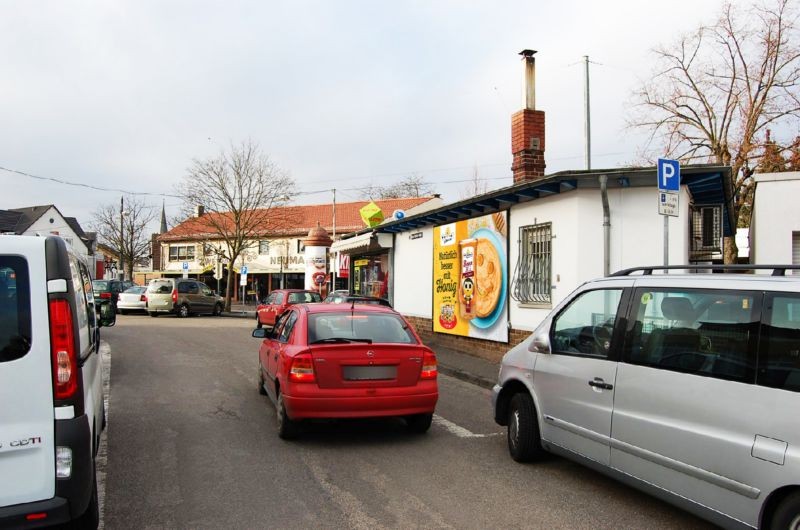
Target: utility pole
336,258
121,239
587,117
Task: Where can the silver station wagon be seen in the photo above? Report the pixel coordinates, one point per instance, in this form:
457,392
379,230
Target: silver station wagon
686,386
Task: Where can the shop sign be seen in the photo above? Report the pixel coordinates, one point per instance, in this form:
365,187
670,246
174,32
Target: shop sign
344,266
470,278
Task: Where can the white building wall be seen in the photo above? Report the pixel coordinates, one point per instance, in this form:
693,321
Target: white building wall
577,246
413,273
563,214
775,216
42,226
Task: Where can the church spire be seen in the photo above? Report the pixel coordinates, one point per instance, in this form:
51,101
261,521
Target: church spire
163,219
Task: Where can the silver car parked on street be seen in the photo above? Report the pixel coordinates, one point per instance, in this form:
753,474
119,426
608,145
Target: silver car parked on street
685,386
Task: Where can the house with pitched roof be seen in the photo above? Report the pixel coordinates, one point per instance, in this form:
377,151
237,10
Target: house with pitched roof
48,220
275,258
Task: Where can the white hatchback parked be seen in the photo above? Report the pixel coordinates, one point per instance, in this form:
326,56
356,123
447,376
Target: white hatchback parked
51,393
685,386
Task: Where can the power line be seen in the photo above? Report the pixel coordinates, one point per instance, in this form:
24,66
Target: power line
88,186
311,192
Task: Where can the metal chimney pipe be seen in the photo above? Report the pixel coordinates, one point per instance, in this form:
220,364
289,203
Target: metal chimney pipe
530,79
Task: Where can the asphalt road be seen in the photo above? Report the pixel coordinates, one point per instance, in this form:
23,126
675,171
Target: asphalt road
191,444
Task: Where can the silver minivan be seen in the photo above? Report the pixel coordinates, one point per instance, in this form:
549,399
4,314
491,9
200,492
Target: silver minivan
182,297
686,386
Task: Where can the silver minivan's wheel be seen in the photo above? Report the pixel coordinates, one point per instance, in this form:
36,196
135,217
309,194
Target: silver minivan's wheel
287,428
524,442
787,515
183,311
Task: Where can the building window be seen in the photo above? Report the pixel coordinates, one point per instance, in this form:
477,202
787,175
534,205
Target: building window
531,282
181,252
263,247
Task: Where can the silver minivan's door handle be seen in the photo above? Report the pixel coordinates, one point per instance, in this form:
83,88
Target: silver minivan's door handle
600,383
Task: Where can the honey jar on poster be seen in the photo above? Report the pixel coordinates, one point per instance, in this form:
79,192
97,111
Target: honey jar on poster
466,283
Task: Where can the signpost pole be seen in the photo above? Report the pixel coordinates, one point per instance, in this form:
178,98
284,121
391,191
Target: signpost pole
668,174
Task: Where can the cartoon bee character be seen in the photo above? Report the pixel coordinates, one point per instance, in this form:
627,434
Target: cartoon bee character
468,293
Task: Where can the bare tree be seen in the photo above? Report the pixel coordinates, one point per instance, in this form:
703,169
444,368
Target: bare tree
124,227
240,191
475,186
717,89
411,186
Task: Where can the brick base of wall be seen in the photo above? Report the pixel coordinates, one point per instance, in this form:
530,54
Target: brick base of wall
485,349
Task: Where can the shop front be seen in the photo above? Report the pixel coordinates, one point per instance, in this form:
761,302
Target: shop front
365,262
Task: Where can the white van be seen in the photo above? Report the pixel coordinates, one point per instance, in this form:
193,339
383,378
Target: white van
686,386
51,393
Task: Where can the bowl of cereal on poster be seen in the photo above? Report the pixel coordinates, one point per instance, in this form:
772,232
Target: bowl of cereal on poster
447,316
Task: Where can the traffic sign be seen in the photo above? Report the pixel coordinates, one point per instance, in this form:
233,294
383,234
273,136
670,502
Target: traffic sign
186,265
244,270
668,203
669,175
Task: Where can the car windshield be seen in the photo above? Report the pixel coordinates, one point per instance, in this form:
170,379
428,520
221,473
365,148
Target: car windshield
367,327
304,298
136,289
100,285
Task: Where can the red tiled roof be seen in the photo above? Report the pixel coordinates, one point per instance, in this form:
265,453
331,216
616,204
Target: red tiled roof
298,220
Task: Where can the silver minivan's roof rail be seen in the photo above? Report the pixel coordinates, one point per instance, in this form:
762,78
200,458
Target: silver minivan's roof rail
777,270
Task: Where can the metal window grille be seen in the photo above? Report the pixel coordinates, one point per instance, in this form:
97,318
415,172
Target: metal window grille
532,276
707,229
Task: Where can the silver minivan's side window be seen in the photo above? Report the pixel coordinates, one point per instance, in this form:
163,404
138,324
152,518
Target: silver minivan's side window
779,349
702,332
15,308
586,325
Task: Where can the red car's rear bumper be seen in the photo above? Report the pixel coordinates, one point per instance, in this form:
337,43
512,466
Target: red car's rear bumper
359,403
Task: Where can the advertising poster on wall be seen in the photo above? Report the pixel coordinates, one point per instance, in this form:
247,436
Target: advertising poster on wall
470,278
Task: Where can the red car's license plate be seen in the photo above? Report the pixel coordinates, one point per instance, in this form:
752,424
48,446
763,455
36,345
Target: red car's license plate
368,373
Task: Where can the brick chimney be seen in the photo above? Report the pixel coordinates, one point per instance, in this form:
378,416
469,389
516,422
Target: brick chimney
527,129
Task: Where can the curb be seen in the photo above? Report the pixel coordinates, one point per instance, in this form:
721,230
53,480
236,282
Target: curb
466,376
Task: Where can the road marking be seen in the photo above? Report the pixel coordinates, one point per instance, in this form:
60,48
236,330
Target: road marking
458,430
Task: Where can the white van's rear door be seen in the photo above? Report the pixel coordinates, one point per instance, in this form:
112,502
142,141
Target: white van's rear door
27,452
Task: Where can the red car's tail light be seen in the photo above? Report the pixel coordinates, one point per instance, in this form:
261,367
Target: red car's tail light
302,369
174,296
62,350
429,369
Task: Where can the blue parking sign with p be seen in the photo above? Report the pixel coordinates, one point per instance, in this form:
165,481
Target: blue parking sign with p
669,175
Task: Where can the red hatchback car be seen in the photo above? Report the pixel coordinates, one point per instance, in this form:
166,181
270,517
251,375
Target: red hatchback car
343,361
278,300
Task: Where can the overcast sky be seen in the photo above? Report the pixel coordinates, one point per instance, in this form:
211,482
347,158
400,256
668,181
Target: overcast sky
123,94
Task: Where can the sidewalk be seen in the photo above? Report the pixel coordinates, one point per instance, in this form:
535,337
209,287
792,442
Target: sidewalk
451,362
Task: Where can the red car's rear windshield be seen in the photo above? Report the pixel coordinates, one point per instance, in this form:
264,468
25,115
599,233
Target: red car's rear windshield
375,327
